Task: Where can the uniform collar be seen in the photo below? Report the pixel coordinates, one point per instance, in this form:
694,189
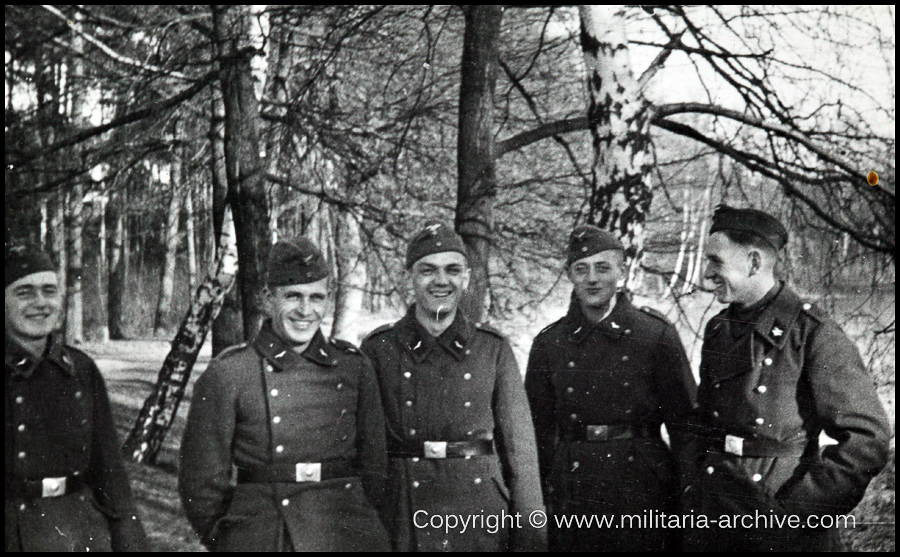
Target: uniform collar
22,364
777,319
281,355
615,325
419,343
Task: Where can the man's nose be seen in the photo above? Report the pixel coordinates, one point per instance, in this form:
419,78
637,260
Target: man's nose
304,306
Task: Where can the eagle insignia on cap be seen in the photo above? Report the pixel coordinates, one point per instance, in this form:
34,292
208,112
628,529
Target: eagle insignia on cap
776,332
432,228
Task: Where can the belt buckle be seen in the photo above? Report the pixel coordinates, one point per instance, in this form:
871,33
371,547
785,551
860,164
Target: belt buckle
597,432
435,449
734,445
53,487
309,471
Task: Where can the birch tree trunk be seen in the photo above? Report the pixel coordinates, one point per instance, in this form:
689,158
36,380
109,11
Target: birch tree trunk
619,120
117,272
160,408
74,250
476,186
243,166
189,228
102,272
351,275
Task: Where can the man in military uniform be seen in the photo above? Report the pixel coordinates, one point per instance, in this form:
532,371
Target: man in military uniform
66,487
459,433
300,417
775,373
600,382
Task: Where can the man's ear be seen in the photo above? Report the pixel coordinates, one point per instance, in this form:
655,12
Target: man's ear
755,258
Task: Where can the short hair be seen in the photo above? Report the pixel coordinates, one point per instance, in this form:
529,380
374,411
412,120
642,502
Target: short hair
749,239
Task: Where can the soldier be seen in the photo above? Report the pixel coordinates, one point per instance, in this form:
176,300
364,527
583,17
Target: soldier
600,382
460,438
66,487
775,373
300,418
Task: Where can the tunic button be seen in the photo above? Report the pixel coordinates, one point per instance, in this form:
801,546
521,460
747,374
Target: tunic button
477,481
627,331
467,376
343,411
274,392
279,449
276,420
412,432
348,486
468,352
415,484
21,427
407,375
78,394
715,413
344,437
628,411
470,433
571,364
22,507
630,459
270,368
409,403
717,386
807,306
22,454
340,386
760,421
285,502
757,477
570,390
624,358
710,470
415,459
626,384
761,389
19,400
768,361
574,416
467,404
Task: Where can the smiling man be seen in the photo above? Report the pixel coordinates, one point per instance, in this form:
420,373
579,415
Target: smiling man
66,488
301,420
600,382
459,433
775,373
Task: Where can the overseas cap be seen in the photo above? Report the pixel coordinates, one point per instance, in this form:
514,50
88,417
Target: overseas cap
435,237
23,260
295,261
755,222
587,240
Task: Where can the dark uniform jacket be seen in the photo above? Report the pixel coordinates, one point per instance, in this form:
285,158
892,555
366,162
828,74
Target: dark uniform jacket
773,382
58,424
461,386
263,406
628,370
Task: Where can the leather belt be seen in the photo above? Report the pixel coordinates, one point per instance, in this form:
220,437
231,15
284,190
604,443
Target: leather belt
297,472
594,433
44,487
743,446
439,449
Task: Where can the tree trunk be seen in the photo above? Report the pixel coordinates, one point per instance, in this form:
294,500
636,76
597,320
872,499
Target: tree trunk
351,275
682,246
102,270
117,274
619,119
58,247
697,274
167,282
189,229
243,167
159,410
228,329
476,181
74,249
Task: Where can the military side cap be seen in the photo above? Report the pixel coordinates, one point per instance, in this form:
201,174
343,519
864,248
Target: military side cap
295,261
587,239
23,260
435,237
750,221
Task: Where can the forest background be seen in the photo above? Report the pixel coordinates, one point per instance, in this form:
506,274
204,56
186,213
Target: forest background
135,136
